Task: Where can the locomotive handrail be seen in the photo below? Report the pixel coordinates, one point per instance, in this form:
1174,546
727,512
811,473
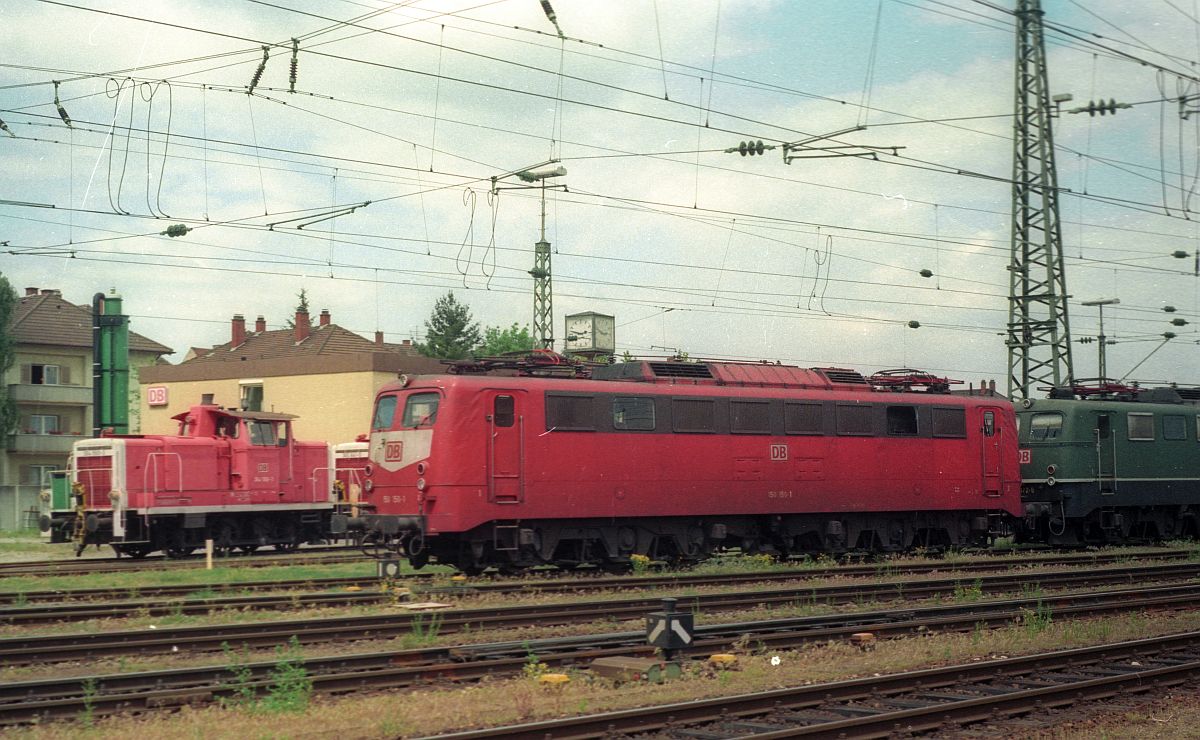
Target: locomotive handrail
152,464
331,474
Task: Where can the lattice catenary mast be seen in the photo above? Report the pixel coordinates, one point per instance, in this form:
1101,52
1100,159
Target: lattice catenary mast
1039,337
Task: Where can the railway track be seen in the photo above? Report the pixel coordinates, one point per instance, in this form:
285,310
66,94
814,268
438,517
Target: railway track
42,700
58,648
307,556
422,583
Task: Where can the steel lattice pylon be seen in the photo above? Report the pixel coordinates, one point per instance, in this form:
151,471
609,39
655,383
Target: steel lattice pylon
543,297
1039,337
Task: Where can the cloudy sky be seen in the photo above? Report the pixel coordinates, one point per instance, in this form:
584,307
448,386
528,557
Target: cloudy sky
404,111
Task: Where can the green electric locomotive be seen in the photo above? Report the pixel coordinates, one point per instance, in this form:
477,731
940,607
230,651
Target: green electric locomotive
1120,467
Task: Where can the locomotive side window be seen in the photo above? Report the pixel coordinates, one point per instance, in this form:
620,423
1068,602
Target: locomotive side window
262,432
855,419
1141,426
802,418
420,411
1174,427
902,421
1045,426
571,413
503,411
385,411
633,413
749,417
693,415
949,422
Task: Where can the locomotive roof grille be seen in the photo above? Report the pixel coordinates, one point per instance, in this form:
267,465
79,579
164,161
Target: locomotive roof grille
680,370
841,375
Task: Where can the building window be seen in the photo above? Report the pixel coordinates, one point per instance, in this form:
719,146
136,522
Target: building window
42,424
902,421
1141,426
36,475
949,422
635,414
749,417
570,413
252,395
1174,427
691,415
802,418
41,374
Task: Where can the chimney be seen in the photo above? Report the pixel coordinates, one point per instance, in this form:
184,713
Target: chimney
378,338
31,291
301,326
260,325
324,317
239,330
50,291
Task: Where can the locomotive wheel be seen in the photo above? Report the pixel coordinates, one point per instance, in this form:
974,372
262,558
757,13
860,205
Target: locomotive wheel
248,549
223,539
287,546
179,552
137,552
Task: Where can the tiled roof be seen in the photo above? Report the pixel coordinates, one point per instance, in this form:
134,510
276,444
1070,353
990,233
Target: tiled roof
46,318
329,339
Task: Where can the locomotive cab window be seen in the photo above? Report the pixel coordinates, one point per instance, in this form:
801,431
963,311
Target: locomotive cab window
1174,427
385,412
855,420
1141,426
503,411
636,414
802,418
264,433
693,415
902,421
420,411
749,417
1047,425
949,422
570,413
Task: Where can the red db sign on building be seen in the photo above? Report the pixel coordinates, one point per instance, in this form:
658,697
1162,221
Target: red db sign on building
156,395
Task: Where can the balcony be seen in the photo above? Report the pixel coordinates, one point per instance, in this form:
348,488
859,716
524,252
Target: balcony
73,395
46,444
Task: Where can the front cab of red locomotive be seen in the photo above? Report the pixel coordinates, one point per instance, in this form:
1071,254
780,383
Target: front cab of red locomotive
398,494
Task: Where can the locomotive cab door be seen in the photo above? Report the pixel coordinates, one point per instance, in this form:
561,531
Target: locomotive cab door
991,433
1106,453
506,450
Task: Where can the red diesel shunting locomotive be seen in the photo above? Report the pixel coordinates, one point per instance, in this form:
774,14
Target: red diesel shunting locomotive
236,477
676,460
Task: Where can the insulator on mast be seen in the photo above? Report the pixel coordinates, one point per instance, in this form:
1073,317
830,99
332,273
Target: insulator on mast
295,63
259,72
62,112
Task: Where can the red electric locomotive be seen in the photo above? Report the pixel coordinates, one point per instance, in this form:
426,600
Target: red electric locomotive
236,477
677,460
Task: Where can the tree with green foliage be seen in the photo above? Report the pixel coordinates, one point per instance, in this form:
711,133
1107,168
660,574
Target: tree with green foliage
302,306
497,341
450,334
8,407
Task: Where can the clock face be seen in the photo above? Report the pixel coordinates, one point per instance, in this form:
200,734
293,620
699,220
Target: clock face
579,333
605,338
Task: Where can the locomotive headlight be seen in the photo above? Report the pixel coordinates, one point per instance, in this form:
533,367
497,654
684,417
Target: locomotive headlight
1051,469
420,484
368,469
421,468
369,486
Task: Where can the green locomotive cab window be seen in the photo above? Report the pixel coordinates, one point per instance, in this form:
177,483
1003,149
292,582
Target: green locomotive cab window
1045,425
385,411
1174,427
420,411
1141,426
633,413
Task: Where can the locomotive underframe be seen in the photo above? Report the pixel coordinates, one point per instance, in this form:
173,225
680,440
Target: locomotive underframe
1078,514
179,534
612,543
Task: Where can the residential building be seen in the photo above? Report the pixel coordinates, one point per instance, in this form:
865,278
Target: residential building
325,374
51,383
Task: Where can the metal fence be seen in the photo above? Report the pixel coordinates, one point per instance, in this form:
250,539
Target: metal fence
20,507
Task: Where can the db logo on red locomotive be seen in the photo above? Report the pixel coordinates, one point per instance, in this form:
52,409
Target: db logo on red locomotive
393,451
